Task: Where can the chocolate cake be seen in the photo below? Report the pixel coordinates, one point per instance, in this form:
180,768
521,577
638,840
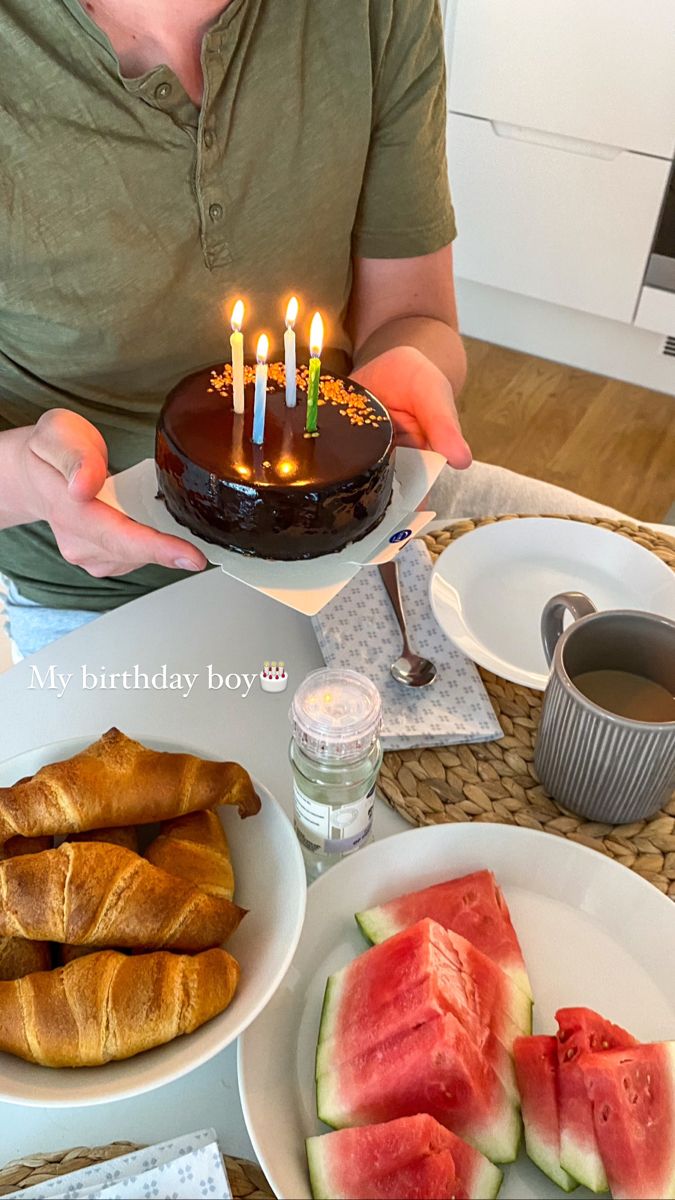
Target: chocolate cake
295,496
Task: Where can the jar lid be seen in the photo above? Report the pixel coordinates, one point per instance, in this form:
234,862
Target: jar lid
336,714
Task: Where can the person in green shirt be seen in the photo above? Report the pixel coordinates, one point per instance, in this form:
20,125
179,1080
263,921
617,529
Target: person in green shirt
160,159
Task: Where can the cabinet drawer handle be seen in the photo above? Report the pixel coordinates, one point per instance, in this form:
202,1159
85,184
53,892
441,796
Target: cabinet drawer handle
556,141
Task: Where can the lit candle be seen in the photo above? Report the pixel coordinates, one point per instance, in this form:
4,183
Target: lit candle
260,389
289,349
315,347
237,344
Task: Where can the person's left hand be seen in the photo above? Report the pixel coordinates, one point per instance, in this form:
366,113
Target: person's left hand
420,402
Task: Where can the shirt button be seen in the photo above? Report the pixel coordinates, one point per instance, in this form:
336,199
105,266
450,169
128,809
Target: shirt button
208,139
162,91
215,211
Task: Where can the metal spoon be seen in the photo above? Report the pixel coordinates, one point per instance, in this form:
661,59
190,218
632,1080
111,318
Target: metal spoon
410,669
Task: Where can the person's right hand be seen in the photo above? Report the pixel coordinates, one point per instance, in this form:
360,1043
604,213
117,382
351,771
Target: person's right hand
63,466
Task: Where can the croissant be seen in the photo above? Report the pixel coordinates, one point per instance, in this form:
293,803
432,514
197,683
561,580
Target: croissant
195,848
110,1006
19,956
90,893
122,835
117,781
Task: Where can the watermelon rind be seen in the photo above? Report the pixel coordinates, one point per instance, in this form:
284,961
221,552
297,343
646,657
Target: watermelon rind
374,927
329,1011
318,1178
525,1013
328,1107
546,1158
487,1182
585,1167
520,977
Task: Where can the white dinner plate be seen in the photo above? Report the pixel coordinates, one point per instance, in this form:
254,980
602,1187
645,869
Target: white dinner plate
269,882
489,587
592,932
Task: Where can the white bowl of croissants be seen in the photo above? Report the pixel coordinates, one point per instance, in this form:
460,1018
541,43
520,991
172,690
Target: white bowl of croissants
151,901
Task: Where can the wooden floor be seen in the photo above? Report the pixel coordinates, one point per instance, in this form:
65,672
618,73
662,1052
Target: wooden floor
608,440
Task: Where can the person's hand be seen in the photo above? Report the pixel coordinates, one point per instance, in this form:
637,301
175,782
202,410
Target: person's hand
63,465
420,401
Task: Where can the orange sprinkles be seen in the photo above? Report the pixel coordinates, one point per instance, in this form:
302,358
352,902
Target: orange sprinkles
357,408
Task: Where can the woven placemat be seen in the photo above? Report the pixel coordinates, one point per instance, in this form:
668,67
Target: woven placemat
496,781
246,1179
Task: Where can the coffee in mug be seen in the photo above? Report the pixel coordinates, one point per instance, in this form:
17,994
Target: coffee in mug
627,694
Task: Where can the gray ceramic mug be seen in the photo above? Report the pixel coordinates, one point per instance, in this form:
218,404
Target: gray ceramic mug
603,766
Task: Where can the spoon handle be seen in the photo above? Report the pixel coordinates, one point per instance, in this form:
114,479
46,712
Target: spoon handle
389,575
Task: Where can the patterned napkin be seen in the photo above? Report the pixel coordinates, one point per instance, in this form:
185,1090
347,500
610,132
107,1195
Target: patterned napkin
358,629
182,1169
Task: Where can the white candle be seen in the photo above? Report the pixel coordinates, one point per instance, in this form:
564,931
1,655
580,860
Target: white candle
260,390
237,344
289,352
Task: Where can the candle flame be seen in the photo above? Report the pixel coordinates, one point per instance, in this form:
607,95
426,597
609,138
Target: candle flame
263,348
316,336
237,318
292,312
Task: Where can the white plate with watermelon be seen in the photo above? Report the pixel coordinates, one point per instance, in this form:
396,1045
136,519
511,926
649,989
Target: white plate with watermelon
594,936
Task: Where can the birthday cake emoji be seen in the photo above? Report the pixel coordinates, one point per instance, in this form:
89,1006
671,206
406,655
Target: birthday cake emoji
273,677
274,462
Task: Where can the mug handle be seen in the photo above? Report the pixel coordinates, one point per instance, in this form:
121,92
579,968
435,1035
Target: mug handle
553,615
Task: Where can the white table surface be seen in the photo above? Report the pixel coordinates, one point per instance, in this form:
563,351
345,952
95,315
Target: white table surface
209,619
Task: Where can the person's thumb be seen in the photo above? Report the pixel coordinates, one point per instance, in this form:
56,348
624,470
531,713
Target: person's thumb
75,449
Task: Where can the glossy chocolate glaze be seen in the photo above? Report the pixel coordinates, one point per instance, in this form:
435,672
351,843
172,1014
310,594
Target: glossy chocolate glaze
293,497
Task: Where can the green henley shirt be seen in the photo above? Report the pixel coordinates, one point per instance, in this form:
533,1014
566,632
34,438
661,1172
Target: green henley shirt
130,219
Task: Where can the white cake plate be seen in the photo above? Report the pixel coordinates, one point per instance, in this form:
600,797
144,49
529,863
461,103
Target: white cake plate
306,586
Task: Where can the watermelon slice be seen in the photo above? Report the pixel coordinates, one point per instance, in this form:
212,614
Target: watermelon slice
537,1074
472,906
581,1030
476,1178
389,1160
433,1068
411,978
378,977
423,1002
633,1097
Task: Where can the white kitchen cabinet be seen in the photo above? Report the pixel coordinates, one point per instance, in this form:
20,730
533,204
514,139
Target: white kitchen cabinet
656,311
552,218
598,70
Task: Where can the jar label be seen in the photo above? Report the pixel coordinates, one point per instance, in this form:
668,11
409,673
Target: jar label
332,829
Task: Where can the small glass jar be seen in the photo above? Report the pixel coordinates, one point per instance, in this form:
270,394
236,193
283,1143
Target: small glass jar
336,756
